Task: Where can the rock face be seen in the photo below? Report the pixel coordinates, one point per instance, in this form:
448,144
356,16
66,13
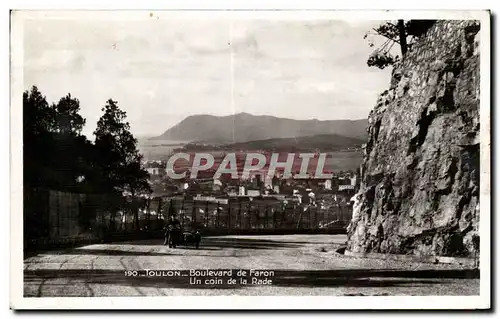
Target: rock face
420,174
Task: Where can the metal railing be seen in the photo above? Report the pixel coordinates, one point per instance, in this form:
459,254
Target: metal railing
55,217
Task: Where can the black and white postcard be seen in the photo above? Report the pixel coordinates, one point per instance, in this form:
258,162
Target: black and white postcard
250,159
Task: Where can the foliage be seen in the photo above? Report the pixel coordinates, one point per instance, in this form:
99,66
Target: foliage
58,157
404,33
120,158
55,154
382,59
117,147
67,120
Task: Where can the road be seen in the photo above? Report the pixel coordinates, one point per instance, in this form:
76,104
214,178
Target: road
302,265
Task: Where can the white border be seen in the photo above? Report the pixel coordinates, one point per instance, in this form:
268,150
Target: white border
17,301
256,302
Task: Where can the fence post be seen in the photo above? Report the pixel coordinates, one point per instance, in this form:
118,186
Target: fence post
182,213
266,220
274,218
218,215
193,214
316,217
340,211
206,214
331,211
249,211
228,214
310,216
57,214
148,216
239,216
283,216
257,219
159,211
169,211
299,222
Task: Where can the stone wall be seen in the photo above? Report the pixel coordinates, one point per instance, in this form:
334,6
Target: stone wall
420,173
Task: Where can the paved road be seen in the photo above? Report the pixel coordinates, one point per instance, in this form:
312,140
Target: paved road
302,265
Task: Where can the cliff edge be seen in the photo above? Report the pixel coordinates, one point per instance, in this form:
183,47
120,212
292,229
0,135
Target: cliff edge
419,193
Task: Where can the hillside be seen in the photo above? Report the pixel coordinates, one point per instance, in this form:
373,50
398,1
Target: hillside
302,143
244,127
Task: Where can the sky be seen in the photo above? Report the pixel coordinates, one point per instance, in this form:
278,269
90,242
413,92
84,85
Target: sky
162,70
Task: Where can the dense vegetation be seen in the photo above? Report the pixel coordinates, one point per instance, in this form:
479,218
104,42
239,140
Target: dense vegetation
403,33
58,157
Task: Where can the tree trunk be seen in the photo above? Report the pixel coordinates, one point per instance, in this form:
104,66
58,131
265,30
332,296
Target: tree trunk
402,37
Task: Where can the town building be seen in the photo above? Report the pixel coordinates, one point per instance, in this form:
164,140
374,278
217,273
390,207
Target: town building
253,192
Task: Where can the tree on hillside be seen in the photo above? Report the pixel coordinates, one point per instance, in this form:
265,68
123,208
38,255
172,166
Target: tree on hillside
37,115
56,155
67,117
120,158
403,33
73,154
37,119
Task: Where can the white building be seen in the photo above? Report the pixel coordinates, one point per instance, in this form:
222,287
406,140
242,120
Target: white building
253,192
241,191
346,187
353,180
328,184
156,171
211,199
153,171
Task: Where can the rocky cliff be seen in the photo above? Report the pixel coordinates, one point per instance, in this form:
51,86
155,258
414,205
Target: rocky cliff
420,174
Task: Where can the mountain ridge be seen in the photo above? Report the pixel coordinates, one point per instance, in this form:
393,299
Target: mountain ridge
245,127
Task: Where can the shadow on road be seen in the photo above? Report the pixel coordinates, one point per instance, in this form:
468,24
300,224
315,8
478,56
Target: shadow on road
117,252
283,278
208,244
221,242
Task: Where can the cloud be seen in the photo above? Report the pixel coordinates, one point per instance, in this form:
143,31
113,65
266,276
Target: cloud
163,70
315,87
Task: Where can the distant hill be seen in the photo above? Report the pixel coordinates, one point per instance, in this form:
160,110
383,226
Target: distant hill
244,127
302,143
